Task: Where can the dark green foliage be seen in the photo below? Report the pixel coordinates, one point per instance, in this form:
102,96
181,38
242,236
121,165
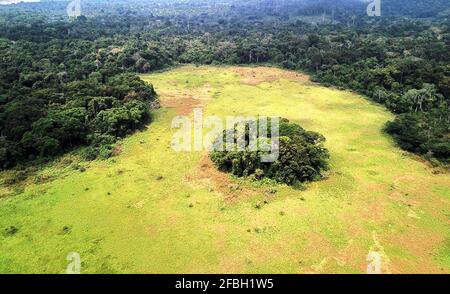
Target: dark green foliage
9,151
46,115
10,231
423,133
66,230
302,156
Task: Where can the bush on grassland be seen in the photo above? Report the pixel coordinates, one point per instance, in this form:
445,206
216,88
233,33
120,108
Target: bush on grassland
302,155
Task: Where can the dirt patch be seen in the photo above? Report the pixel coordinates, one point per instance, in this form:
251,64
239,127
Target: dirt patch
184,101
117,150
421,244
152,230
256,76
207,174
183,104
316,242
116,50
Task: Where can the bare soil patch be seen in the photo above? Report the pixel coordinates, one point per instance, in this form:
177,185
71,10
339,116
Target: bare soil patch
221,182
184,101
183,104
256,76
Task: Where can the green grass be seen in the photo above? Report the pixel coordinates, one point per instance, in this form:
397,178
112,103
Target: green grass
123,218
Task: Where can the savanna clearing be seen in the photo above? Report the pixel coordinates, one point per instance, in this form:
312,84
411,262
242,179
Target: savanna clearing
153,210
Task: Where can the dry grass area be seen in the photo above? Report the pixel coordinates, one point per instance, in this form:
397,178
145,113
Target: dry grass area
184,101
206,174
257,75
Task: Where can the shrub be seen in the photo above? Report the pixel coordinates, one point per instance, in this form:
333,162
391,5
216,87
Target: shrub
302,155
11,230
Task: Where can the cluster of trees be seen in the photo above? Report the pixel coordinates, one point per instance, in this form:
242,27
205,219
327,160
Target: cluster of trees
56,95
424,133
302,155
49,62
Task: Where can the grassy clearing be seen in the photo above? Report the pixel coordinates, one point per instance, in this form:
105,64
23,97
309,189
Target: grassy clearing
152,210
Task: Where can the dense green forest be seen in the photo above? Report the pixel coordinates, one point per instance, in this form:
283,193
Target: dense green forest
66,83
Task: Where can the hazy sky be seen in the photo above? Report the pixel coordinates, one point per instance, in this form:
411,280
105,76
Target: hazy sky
16,1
